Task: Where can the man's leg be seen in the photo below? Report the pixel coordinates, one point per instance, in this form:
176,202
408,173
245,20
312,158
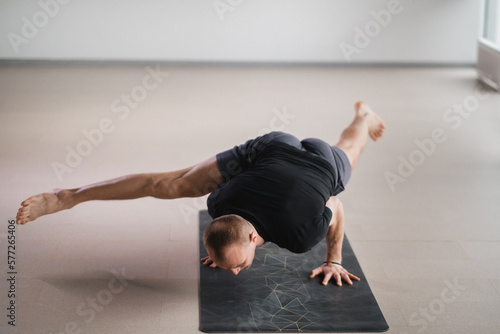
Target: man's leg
194,181
353,139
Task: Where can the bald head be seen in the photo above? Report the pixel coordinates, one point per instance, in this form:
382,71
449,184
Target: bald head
225,231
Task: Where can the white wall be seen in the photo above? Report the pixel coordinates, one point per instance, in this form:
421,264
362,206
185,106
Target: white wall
425,31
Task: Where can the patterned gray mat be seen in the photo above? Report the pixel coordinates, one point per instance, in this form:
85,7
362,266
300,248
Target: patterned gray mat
276,295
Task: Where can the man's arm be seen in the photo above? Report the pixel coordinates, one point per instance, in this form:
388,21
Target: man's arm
194,181
334,240
335,235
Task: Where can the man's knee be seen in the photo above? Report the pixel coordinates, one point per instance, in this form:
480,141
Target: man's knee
334,203
352,152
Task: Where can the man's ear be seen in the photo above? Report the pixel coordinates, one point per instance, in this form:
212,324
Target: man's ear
253,236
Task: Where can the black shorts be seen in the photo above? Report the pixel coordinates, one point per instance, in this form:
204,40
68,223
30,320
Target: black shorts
334,155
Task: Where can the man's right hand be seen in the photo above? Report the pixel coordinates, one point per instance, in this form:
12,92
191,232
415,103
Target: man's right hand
207,260
335,272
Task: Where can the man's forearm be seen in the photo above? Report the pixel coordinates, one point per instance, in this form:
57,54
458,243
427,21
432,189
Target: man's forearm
334,240
335,235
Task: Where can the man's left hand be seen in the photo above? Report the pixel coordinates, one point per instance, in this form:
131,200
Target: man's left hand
207,260
336,271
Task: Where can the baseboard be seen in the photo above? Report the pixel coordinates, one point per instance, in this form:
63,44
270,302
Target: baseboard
133,63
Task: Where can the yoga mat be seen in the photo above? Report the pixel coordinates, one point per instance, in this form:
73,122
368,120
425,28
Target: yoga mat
276,295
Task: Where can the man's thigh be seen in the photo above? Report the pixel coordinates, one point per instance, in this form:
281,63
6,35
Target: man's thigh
335,156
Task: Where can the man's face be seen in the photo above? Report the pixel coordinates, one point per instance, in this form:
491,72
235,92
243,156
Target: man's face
238,257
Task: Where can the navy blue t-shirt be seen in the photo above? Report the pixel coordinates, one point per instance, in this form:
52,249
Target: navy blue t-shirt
279,188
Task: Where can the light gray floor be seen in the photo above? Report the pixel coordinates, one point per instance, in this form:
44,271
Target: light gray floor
438,228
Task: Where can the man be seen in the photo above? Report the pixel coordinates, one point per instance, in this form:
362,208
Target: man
273,188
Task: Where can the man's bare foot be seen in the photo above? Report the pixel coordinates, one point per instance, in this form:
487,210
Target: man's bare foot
376,125
40,205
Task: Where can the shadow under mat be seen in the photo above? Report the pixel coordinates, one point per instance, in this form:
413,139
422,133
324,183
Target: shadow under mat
277,295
